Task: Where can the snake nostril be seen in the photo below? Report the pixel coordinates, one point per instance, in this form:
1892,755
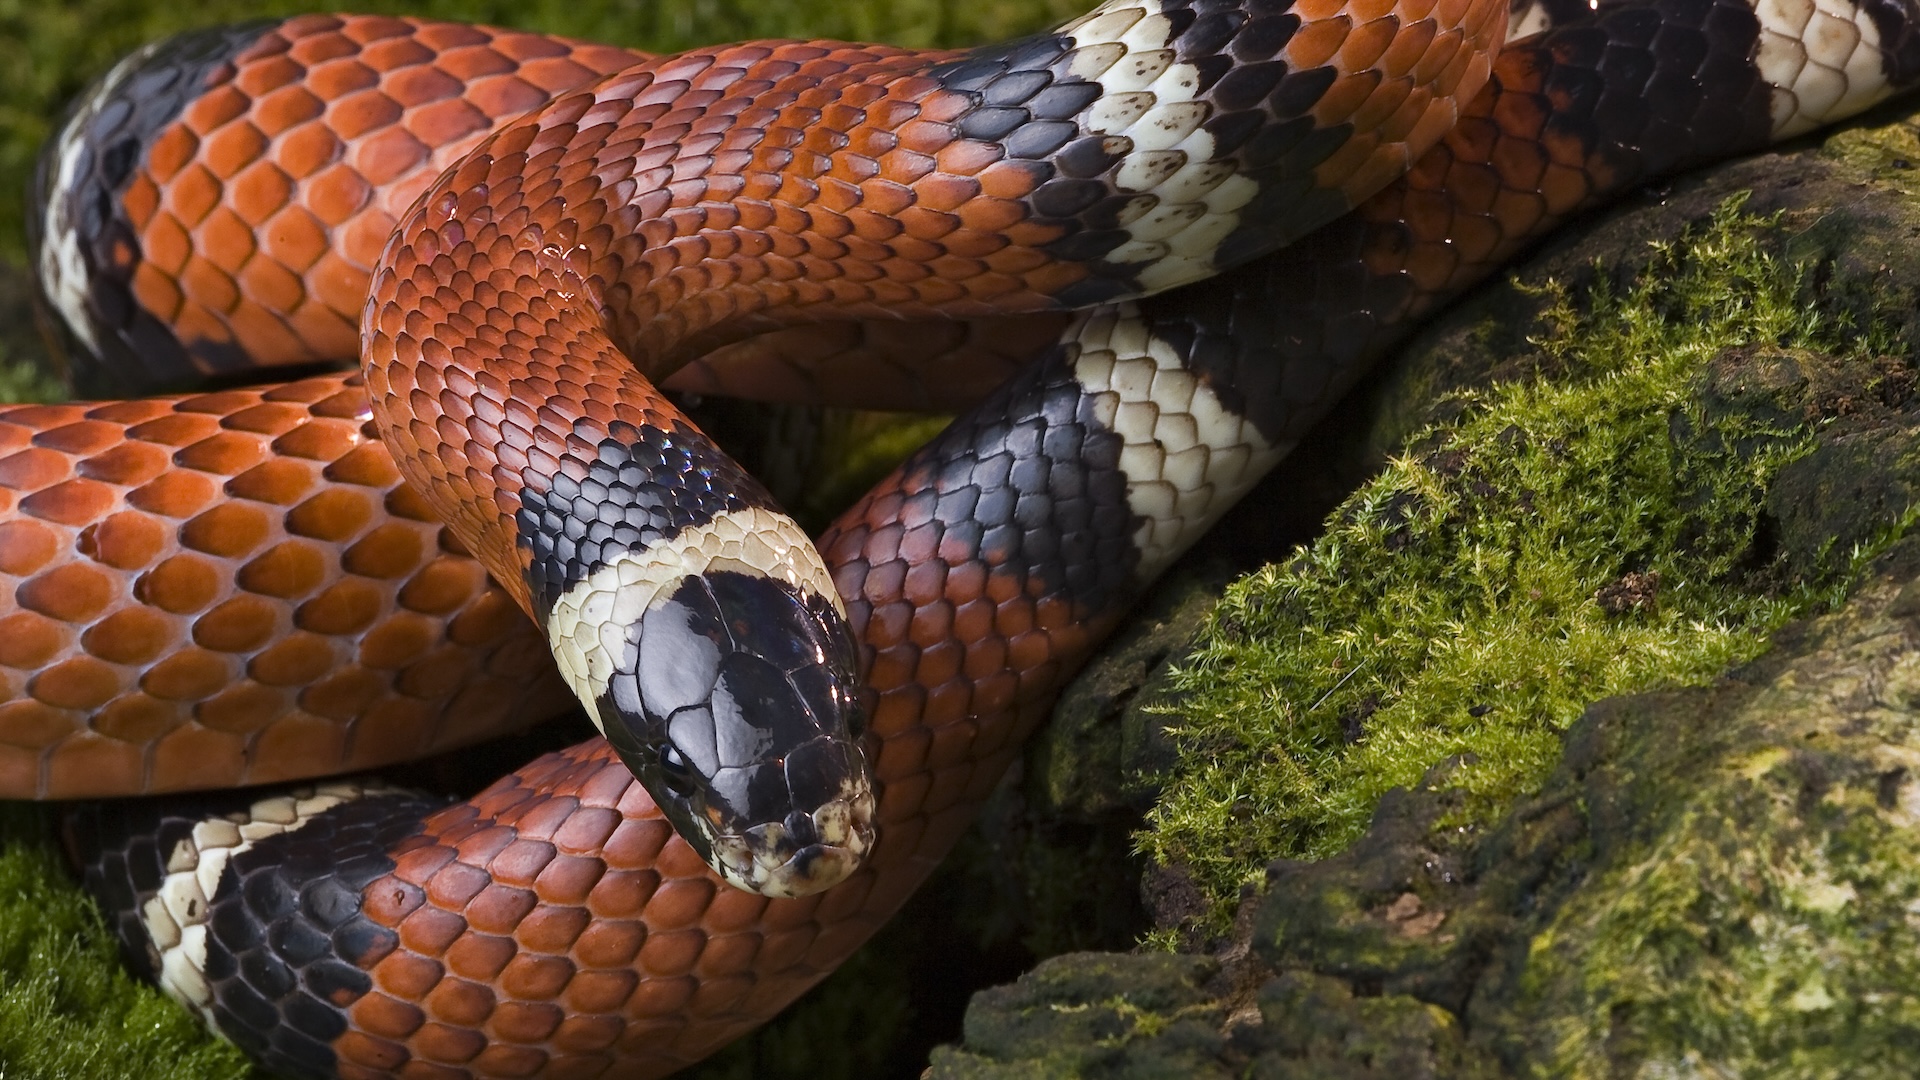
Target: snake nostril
801,830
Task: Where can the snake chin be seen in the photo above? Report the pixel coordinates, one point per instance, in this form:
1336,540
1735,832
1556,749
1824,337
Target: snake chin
803,855
786,826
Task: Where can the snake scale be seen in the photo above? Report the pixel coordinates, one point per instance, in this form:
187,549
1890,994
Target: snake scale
252,585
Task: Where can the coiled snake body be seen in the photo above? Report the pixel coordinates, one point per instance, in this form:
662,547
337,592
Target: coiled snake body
239,586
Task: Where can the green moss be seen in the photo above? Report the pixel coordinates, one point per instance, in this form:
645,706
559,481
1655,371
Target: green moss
22,380
1565,541
858,449
1093,1014
1887,152
67,1006
1769,930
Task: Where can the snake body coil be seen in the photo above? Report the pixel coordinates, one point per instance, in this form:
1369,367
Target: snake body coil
556,924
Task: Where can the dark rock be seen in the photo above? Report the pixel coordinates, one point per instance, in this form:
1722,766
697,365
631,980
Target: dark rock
1142,1017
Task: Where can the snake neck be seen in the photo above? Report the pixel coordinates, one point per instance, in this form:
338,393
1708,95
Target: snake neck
518,307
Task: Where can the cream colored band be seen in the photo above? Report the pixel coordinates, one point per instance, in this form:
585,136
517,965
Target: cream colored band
588,626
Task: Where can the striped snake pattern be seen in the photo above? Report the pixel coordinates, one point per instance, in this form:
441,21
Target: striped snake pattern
248,585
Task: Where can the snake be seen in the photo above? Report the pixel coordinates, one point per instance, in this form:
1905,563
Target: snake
252,584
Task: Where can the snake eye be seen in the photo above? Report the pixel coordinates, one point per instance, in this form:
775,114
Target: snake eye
677,773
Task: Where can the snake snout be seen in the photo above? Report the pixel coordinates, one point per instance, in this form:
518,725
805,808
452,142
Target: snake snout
816,844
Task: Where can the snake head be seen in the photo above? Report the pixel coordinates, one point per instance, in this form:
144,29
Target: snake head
743,717
728,684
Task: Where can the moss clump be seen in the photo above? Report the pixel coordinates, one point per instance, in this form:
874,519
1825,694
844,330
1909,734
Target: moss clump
1139,1017
67,1006
1767,928
1565,541
1154,1016
858,448
22,380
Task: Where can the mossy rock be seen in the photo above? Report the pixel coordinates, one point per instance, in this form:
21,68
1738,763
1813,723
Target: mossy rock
1555,860
1741,896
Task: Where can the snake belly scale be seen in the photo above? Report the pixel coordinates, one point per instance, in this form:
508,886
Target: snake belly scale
556,924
